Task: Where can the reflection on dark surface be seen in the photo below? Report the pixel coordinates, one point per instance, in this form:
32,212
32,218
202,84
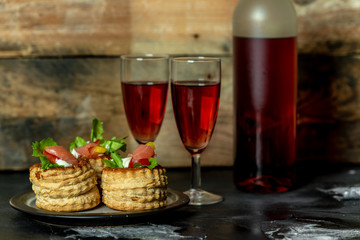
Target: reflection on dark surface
308,229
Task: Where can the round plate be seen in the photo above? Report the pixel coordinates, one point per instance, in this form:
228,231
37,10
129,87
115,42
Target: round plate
100,215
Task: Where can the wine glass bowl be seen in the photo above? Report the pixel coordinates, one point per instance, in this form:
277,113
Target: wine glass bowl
196,119
195,91
144,83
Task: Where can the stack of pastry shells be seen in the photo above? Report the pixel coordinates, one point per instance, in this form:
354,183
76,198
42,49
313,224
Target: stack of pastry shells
65,189
131,189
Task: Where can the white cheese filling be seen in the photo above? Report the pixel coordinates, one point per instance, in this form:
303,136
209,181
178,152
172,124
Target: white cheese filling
126,162
75,153
63,163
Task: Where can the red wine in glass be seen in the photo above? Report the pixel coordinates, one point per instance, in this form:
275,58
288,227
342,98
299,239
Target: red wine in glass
196,104
145,107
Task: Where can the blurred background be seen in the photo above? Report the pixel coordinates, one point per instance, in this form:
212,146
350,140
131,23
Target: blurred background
60,67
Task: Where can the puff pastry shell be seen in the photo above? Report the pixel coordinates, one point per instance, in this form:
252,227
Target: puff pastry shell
132,189
65,189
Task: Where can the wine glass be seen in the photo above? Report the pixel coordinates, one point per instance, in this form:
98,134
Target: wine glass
195,91
144,83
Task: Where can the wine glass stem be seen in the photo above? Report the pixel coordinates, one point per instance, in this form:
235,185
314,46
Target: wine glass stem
195,171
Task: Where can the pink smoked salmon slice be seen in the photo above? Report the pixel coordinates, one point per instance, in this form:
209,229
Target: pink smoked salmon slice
86,150
59,152
143,151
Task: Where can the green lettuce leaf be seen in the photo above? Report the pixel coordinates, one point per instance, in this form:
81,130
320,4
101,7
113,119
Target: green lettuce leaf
78,142
46,164
113,145
117,161
38,149
97,130
153,164
109,163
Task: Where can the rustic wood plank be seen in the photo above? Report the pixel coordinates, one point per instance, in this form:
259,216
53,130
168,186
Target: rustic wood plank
329,26
329,108
52,28
111,27
182,27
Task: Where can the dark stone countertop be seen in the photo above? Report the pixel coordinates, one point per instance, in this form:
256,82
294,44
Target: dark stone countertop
303,213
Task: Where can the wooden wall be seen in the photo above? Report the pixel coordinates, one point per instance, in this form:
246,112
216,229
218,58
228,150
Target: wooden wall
59,68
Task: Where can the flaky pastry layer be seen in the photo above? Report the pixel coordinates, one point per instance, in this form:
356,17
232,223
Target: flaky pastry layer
81,202
129,178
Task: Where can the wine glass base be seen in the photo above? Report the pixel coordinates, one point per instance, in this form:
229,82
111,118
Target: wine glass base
200,197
